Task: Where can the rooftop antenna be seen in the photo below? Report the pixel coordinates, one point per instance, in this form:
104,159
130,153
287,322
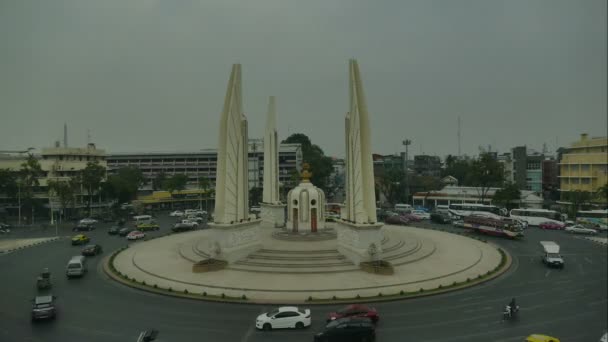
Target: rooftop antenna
458,136
65,135
88,136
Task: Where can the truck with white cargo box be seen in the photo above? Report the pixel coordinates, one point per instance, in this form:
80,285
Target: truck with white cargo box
551,256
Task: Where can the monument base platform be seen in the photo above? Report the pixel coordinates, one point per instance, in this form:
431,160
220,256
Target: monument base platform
273,214
231,242
355,240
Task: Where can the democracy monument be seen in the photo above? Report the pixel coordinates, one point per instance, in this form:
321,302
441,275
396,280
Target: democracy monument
291,254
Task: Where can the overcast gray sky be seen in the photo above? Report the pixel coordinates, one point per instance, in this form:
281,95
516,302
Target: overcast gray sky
147,75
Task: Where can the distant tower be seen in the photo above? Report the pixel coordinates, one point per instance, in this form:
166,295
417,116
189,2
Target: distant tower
65,135
458,136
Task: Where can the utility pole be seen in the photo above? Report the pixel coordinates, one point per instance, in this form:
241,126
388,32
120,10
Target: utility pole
406,143
459,137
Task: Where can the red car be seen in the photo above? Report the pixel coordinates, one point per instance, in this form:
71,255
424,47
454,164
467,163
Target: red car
355,310
396,219
551,225
412,218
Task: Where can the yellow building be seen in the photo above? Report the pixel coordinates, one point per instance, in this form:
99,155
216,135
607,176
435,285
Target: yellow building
584,165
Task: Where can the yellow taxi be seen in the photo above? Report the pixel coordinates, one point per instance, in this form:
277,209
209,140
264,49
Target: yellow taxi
80,239
148,226
541,338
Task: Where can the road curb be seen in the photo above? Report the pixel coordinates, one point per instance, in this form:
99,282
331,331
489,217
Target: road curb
30,245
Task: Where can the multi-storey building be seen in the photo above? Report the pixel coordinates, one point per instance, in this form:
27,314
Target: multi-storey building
425,165
202,163
584,165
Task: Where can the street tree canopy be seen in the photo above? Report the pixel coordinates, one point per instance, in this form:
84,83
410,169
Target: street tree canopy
320,165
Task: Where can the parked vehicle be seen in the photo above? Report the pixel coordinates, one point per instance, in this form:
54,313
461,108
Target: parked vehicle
440,217
113,230
136,235
182,227
423,215
284,317
348,329
44,308
43,281
76,267
91,250
195,218
535,217
402,207
191,223
177,213
578,229
80,239
148,226
83,227
412,217
552,225
541,338
88,221
5,228
396,219
355,310
125,231
551,256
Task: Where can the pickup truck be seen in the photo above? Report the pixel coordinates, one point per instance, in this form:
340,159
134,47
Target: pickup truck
551,256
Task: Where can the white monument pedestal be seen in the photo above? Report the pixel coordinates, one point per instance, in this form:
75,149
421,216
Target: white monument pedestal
236,240
273,214
355,239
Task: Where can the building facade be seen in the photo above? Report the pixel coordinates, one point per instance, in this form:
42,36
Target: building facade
584,165
202,163
425,165
467,194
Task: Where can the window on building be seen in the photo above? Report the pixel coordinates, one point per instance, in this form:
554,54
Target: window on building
585,168
575,181
585,181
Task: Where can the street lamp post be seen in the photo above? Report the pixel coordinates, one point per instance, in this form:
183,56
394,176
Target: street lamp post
406,143
19,200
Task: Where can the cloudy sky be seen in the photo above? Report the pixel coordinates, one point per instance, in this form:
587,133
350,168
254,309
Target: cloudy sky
147,75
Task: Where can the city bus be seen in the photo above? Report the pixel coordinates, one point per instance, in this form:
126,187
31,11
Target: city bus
593,218
534,217
140,219
461,210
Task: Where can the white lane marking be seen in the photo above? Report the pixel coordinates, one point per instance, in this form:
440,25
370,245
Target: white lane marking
477,309
471,298
251,329
547,273
564,281
588,260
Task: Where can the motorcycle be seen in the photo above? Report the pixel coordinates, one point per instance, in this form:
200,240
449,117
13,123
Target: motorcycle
510,312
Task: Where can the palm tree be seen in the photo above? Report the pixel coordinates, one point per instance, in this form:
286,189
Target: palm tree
29,175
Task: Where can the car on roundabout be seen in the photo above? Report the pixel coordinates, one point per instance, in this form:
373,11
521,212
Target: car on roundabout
83,227
284,317
348,329
88,220
113,230
423,215
91,250
440,217
540,338
578,229
148,226
396,219
354,310
182,227
551,225
125,231
136,235
80,239
177,213
43,308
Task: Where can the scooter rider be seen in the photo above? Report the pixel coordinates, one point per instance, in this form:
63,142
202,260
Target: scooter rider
512,307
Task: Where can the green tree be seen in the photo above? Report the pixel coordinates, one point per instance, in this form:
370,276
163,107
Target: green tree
92,176
175,183
29,175
8,183
64,192
124,184
204,184
507,195
602,194
578,200
459,169
424,184
391,184
486,172
320,165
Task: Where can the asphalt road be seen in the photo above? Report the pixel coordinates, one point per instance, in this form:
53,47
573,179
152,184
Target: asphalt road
570,304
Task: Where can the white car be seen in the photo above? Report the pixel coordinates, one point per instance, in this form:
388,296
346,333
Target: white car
578,229
421,214
88,221
136,235
284,317
196,219
177,213
191,223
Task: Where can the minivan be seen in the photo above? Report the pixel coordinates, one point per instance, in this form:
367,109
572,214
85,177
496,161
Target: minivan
76,267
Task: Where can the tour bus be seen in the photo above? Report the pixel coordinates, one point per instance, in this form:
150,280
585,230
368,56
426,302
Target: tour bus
137,220
461,210
534,217
594,218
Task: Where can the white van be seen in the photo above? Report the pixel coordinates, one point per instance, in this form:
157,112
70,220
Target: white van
551,256
442,208
141,219
400,207
76,266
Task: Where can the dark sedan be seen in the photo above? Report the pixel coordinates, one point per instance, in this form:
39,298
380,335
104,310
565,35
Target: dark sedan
355,310
113,230
347,330
83,227
440,217
91,250
125,231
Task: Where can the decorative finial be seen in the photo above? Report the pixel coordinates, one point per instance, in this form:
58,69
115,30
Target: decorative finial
306,175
